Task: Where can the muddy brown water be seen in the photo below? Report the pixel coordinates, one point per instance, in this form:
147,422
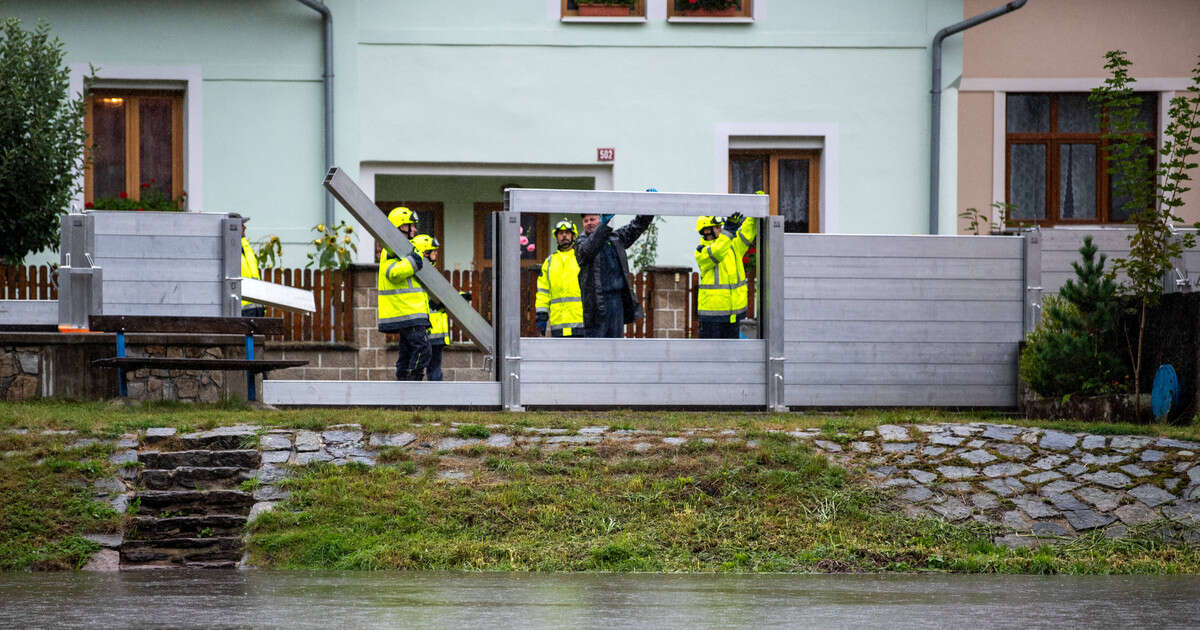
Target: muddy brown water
351,600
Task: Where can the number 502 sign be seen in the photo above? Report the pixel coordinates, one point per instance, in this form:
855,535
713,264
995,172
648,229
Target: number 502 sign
606,154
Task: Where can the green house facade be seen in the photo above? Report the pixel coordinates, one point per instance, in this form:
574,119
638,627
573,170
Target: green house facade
441,105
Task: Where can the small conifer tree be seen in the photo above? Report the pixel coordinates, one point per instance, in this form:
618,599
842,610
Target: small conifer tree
1074,348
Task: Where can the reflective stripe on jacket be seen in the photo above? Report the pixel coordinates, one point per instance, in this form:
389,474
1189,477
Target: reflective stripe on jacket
403,302
558,292
249,264
439,328
723,292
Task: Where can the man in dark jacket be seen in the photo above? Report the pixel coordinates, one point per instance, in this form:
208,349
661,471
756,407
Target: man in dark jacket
608,298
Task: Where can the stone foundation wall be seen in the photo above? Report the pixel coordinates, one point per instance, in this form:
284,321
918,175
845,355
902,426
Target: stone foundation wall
50,364
20,372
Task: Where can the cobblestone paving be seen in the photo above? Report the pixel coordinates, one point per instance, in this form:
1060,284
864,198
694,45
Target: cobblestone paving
1037,482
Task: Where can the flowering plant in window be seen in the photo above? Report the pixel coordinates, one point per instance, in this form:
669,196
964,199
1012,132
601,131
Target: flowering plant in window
708,6
152,200
335,246
605,7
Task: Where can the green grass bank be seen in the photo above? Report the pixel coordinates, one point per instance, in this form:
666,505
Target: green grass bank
763,503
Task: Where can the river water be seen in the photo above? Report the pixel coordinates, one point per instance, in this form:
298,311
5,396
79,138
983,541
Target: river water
350,600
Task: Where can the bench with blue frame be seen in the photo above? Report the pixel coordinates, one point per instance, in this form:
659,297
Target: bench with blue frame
246,326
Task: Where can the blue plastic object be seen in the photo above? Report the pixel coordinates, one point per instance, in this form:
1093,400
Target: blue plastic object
1165,394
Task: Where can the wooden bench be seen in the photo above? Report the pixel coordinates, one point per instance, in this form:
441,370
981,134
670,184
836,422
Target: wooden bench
247,326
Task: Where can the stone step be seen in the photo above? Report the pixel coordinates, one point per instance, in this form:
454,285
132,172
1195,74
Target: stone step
181,552
212,525
247,458
193,478
193,502
222,438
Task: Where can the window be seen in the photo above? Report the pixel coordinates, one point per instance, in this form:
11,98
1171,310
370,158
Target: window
429,221
789,177
138,140
537,231
1056,161
709,9
604,8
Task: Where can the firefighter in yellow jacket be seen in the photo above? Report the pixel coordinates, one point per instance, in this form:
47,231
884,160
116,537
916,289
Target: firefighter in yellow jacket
403,302
439,334
559,302
250,270
723,300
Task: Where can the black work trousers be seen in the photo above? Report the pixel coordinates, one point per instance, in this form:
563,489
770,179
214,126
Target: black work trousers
719,330
611,320
435,361
414,353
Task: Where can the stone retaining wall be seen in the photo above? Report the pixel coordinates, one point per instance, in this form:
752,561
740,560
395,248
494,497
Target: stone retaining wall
50,364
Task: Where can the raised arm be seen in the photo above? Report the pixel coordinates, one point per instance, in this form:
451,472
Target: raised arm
744,239
632,231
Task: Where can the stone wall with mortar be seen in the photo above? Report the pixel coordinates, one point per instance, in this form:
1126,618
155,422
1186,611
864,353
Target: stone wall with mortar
50,364
20,372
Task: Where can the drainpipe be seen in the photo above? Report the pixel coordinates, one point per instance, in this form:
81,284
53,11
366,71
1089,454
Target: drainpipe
327,77
935,132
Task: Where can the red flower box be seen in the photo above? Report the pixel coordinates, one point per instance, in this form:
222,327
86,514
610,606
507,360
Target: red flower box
730,12
603,10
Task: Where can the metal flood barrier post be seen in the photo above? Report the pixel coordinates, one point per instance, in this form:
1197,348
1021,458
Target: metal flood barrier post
80,281
539,371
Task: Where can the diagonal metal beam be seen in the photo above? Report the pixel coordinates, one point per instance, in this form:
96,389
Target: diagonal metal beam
346,191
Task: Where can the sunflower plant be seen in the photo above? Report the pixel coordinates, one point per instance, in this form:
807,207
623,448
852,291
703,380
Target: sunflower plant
335,245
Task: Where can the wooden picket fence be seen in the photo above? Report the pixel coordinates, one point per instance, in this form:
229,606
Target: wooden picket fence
28,282
332,291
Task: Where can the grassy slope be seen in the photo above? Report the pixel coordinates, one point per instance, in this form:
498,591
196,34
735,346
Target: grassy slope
46,501
698,508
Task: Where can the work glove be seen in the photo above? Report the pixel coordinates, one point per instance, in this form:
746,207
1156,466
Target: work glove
542,320
734,221
605,218
417,261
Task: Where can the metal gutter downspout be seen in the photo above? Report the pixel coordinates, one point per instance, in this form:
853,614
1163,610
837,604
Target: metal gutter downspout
935,132
327,52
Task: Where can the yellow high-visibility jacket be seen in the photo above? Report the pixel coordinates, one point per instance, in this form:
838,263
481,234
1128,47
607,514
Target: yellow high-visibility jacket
403,302
723,293
439,327
558,293
249,265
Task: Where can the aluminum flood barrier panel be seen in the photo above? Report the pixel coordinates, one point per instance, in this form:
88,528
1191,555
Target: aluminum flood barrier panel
168,263
902,320
545,371
643,372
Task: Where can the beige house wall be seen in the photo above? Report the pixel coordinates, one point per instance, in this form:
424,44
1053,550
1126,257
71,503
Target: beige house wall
1063,42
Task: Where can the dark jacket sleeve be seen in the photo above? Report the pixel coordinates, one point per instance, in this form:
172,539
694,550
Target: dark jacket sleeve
631,232
589,245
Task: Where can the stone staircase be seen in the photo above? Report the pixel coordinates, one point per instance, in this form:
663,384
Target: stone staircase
189,510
